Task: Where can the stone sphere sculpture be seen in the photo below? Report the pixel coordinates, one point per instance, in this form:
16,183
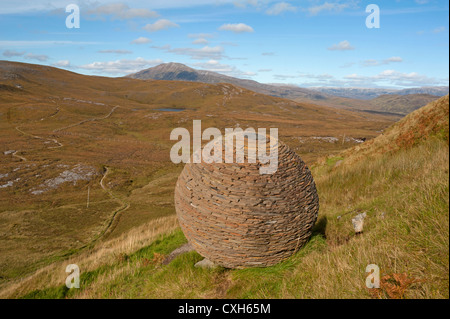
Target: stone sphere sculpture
239,218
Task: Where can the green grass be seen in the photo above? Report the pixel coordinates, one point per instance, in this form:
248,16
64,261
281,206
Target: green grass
161,246
331,161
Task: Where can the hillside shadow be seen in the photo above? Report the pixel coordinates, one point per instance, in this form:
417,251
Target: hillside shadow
320,227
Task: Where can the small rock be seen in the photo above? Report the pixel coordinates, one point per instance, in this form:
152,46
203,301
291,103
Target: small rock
205,263
358,223
180,250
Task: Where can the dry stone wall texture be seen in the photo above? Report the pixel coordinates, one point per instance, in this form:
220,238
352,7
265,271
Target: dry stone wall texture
238,218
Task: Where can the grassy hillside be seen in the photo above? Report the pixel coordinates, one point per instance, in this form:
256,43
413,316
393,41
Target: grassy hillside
402,104
84,159
418,126
403,189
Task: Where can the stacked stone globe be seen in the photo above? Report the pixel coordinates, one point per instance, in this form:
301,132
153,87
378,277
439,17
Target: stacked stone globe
237,217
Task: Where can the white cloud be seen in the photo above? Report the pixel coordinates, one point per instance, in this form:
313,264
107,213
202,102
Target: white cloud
201,35
12,53
161,24
439,30
121,67
372,62
141,40
115,51
320,77
232,44
281,7
347,65
32,43
265,70
162,47
62,64
284,77
216,66
341,46
236,27
200,41
207,52
214,53
38,57
386,78
436,30
328,6
121,11
393,77
245,3
268,53
394,59
14,6
201,38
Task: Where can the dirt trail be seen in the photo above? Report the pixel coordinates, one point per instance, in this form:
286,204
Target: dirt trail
87,120
40,138
15,154
18,156
54,140
111,224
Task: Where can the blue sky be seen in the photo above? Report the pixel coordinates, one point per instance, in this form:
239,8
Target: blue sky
306,42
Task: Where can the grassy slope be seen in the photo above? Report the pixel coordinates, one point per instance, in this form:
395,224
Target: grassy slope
115,123
404,192
403,104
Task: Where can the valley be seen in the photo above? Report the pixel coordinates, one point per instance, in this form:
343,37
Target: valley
64,135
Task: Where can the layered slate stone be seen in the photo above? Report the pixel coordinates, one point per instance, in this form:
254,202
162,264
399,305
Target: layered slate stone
237,218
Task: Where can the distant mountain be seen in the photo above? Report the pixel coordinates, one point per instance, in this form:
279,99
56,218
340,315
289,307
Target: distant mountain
370,93
181,72
364,99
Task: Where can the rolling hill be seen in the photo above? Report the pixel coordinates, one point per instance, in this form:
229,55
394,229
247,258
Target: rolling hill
420,125
94,152
401,104
403,191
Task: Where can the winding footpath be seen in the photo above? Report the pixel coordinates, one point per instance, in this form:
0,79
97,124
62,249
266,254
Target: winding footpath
87,120
18,128
54,140
116,214
112,222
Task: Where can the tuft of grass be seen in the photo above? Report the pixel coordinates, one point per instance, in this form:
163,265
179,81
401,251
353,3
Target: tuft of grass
331,161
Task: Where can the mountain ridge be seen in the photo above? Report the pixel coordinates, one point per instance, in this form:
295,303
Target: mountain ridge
400,102
181,72
371,93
